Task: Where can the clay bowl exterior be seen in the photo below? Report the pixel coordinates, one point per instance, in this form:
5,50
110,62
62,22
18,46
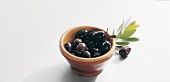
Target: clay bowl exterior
84,66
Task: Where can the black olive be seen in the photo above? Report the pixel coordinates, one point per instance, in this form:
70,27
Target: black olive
80,48
95,49
96,54
68,46
81,34
99,35
124,51
77,41
106,46
86,54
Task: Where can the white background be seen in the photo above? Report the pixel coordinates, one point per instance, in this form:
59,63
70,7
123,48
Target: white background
30,31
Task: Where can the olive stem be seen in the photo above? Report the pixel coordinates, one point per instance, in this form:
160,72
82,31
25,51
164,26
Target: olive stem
106,31
113,36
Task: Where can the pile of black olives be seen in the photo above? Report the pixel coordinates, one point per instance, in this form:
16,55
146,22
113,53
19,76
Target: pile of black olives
89,44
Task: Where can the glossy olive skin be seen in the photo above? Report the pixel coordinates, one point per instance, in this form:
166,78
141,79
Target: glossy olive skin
95,49
96,54
68,46
80,48
81,34
86,54
77,41
90,34
124,51
99,35
106,46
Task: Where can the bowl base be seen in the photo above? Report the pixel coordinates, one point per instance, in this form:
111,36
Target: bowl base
88,74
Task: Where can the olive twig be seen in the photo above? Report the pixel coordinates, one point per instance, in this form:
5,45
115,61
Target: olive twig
113,36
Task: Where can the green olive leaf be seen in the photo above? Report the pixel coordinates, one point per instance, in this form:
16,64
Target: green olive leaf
122,43
131,39
120,30
132,23
120,33
124,33
120,27
131,27
113,32
119,47
127,33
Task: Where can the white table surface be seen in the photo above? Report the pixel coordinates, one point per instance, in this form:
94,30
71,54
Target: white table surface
30,31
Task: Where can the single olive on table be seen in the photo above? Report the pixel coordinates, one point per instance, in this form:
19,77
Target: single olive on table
89,44
124,51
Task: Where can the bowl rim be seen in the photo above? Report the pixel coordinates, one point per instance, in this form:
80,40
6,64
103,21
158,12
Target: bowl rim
69,56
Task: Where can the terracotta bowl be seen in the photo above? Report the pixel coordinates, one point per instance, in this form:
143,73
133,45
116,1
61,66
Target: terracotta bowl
84,66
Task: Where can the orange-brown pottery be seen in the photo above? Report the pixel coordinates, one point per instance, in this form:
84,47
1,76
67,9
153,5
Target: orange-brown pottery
84,66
